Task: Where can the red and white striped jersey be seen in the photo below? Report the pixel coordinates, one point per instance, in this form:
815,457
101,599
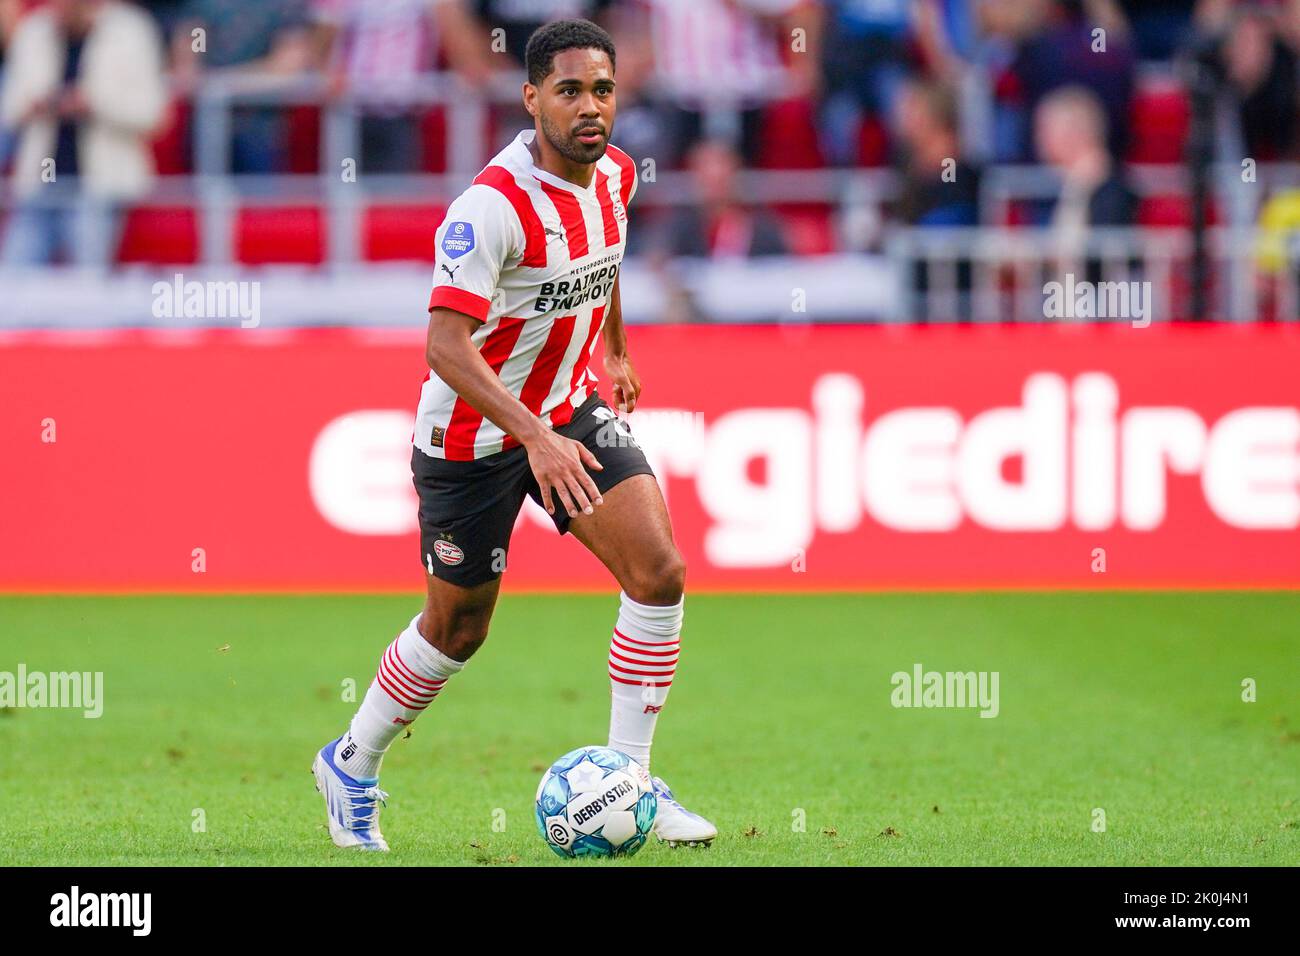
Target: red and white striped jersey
534,258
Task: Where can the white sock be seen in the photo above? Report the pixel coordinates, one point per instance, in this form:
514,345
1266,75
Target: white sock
642,660
411,674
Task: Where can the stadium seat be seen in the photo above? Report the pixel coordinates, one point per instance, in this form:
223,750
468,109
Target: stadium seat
1165,211
1172,210
287,234
1160,117
402,233
788,139
808,228
160,234
303,134
433,133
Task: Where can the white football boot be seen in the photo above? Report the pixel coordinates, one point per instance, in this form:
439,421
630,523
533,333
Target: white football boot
677,826
351,805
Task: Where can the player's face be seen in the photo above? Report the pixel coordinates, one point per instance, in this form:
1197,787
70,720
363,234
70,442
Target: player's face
576,104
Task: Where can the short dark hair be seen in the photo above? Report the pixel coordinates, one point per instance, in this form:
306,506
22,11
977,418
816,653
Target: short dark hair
558,36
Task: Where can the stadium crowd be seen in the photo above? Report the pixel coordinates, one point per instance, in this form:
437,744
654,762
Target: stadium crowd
98,94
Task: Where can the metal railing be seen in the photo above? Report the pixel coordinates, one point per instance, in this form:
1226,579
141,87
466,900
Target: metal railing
1138,275
986,274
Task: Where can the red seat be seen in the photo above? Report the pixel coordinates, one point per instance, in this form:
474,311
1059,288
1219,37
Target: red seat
302,134
433,135
1173,210
280,234
1166,211
788,138
1160,116
400,232
160,234
808,228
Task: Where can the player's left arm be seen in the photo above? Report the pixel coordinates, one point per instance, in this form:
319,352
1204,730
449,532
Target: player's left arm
627,384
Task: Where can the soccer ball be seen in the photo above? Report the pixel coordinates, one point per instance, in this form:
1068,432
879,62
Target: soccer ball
595,802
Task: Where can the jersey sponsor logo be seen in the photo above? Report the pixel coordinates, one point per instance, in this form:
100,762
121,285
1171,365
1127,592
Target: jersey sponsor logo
448,553
451,273
437,436
555,233
569,294
458,239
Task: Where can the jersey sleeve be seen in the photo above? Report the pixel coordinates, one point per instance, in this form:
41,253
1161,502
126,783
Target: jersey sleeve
480,236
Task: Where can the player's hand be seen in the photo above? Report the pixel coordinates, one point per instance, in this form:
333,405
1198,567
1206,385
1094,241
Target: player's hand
627,384
557,464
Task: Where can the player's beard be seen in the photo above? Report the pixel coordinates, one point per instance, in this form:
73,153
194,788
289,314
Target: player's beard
568,146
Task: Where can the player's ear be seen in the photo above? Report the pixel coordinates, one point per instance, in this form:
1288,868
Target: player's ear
530,99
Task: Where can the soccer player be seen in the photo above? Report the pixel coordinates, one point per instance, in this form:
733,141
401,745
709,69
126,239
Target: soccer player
526,278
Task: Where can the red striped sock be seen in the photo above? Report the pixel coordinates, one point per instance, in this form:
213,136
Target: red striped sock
411,674
643,653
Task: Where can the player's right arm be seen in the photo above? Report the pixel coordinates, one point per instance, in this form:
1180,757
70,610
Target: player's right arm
480,235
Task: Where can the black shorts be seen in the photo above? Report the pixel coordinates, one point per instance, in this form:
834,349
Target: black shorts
468,508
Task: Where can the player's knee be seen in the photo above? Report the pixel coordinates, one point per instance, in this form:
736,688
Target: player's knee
660,581
458,634
464,641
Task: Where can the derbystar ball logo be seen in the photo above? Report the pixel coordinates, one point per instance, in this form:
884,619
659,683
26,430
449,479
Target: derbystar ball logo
588,811
448,553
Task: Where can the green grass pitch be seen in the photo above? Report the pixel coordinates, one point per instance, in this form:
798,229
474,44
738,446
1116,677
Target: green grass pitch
1130,703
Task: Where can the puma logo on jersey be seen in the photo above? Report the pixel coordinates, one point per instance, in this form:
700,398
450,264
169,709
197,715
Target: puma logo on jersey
555,232
451,273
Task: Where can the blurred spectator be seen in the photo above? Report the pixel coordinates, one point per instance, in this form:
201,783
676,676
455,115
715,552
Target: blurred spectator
713,61
1277,253
246,36
168,13
1159,27
1258,69
939,188
1070,130
717,225
642,125
1064,54
10,11
84,85
1001,29
865,45
470,40
378,51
